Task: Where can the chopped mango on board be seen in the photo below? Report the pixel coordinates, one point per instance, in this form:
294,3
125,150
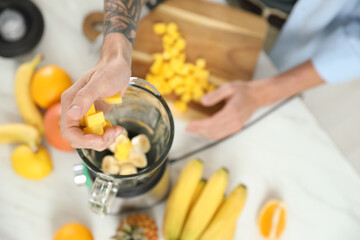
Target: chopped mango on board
159,28
171,74
181,106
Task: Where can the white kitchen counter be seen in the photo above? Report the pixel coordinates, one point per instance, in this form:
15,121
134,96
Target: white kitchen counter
287,155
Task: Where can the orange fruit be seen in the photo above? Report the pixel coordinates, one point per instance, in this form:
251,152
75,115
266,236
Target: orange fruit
48,84
73,231
272,219
52,129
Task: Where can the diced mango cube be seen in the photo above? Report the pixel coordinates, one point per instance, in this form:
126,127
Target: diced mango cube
198,94
94,119
186,98
116,99
106,124
201,63
168,40
166,56
82,122
91,110
172,27
156,67
96,129
159,28
180,44
180,90
181,106
122,150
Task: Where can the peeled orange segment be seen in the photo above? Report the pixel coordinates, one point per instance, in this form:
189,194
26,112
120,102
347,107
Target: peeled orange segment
114,99
272,219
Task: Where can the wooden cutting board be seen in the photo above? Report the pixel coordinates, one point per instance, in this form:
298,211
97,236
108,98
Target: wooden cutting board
229,39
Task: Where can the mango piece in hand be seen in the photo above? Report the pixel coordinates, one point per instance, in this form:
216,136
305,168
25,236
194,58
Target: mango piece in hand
114,99
91,111
106,124
96,129
94,119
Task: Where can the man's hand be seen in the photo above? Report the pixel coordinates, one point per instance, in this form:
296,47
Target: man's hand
110,76
244,98
241,102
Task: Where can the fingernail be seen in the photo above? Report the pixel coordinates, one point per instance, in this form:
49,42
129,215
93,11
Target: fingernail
75,111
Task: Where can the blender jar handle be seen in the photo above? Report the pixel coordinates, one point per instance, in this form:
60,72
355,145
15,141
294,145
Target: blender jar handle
102,196
141,82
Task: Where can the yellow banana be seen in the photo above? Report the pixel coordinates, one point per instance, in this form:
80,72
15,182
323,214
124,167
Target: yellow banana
198,191
20,133
180,198
230,233
26,105
227,215
206,206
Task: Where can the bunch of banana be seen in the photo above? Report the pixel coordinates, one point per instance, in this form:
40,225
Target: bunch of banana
225,219
180,199
28,110
198,210
29,159
20,133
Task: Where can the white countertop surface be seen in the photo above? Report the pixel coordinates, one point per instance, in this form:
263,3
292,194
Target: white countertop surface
287,155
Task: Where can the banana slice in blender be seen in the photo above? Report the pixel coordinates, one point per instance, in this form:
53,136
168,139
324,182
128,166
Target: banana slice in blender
119,139
127,169
125,132
110,164
138,158
141,142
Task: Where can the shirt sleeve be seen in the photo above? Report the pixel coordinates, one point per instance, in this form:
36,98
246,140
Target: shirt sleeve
338,58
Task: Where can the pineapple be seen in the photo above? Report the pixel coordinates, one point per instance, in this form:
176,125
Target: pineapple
137,227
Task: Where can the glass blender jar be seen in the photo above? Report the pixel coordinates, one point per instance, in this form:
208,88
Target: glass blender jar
143,110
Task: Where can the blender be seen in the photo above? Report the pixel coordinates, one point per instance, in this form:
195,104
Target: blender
143,110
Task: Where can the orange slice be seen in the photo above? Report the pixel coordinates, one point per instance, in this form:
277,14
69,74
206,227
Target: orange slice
272,219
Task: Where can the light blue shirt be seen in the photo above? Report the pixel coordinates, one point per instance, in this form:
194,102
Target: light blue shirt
327,32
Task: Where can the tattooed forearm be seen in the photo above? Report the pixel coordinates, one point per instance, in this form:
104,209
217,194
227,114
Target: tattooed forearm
122,16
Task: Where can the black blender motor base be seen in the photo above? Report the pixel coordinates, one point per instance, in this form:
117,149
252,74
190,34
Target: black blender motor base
34,22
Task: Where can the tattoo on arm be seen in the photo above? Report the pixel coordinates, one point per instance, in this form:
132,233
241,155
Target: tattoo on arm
122,16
